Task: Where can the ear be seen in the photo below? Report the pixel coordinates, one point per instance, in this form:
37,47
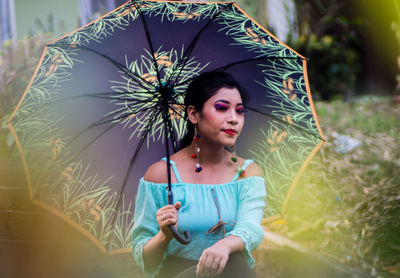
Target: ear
193,114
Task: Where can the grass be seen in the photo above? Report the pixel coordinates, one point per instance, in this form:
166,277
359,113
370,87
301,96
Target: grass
347,203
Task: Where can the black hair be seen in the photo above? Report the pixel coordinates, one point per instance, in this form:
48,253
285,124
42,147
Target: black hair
203,87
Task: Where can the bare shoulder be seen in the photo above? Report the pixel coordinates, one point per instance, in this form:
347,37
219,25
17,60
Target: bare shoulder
253,170
157,172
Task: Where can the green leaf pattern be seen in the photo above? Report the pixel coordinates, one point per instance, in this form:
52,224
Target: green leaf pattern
37,124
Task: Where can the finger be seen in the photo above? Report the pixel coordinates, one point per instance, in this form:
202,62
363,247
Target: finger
215,265
171,210
207,268
177,205
172,213
168,219
165,208
221,266
168,222
167,214
200,265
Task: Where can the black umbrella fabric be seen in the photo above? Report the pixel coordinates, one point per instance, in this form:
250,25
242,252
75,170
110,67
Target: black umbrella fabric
106,101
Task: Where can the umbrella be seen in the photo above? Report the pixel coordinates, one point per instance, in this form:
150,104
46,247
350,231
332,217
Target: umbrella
106,101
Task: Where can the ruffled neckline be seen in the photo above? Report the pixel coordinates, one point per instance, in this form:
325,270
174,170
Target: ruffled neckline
202,184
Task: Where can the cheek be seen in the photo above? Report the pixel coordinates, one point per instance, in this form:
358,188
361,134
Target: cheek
210,119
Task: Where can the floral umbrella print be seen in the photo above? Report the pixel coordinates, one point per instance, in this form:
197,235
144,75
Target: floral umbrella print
107,100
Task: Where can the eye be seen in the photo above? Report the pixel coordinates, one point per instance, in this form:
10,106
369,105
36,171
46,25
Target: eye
220,107
241,110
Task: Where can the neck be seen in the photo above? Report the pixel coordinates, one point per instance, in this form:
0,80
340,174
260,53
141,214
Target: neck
210,153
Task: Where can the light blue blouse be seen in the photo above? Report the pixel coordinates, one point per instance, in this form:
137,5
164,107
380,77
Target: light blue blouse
241,204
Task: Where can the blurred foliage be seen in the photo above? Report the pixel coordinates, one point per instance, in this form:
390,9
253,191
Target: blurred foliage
49,25
331,42
255,9
333,68
347,204
314,16
18,62
396,30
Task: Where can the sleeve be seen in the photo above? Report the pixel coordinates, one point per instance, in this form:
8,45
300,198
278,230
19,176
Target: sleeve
145,225
252,196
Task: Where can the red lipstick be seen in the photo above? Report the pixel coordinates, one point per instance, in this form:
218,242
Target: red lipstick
230,131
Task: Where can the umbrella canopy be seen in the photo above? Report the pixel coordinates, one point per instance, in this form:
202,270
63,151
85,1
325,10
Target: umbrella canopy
107,99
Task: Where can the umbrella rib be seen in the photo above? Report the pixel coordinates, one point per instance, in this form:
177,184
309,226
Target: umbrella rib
147,32
67,160
128,172
223,68
176,112
102,96
102,121
98,123
173,139
37,109
96,138
114,62
152,100
192,44
284,122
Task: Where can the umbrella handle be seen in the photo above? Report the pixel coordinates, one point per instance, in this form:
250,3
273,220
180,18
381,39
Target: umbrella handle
178,237
173,229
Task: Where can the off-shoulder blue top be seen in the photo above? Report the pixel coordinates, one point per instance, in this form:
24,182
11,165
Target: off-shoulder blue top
241,203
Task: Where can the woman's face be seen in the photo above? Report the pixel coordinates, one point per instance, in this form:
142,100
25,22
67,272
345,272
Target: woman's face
222,117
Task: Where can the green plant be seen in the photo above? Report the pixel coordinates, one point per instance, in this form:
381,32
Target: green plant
17,63
332,44
334,64
396,30
346,206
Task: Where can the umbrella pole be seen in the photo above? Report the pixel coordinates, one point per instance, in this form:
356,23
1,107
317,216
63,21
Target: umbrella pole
177,236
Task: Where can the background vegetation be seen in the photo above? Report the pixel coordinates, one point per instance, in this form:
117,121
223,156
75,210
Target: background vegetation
18,61
347,205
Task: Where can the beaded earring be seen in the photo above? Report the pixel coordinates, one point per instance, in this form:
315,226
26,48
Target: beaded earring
196,150
234,160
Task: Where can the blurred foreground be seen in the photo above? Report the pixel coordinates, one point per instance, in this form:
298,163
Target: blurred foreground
36,244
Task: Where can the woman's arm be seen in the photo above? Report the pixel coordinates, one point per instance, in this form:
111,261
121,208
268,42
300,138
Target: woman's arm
214,258
154,249
150,232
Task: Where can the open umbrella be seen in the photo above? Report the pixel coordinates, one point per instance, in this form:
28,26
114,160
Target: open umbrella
106,101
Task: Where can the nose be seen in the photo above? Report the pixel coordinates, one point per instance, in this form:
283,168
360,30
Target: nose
232,118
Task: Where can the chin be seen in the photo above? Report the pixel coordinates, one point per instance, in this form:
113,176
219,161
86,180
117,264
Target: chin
228,143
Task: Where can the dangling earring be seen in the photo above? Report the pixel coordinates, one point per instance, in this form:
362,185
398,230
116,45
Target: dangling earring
234,160
196,150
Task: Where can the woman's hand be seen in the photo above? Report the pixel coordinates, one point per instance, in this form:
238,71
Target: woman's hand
213,260
166,216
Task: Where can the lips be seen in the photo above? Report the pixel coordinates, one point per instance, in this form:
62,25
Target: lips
230,131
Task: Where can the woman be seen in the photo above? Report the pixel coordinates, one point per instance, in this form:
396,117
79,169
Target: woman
219,196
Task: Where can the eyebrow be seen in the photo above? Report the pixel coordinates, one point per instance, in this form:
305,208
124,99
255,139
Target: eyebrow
227,102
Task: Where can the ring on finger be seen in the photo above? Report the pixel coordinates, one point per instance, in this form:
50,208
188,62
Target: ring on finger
163,217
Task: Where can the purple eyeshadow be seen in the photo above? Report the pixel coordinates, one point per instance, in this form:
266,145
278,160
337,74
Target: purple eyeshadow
220,106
